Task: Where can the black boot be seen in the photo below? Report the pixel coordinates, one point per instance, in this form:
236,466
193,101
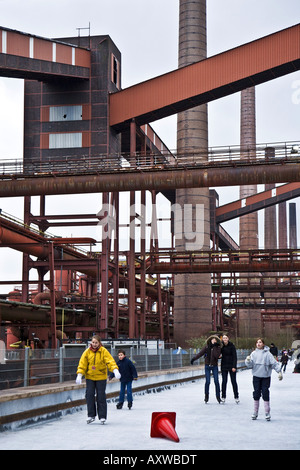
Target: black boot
130,405
218,399
119,405
206,398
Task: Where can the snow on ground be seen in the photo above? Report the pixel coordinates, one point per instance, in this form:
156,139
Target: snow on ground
200,426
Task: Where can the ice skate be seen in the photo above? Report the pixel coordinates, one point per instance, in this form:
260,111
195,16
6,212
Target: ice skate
223,400
102,420
119,405
206,398
268,416
256,408
90,420
129,405
237,400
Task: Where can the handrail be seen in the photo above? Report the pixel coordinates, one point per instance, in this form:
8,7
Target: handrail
237,155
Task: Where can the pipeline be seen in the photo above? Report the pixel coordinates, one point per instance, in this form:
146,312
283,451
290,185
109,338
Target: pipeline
40,314
41,296
218,267
158,179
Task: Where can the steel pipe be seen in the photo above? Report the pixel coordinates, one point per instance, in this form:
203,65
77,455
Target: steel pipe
159,180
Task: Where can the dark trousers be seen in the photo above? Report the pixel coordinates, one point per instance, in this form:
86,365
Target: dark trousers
96,387
125,385
261,387
283,366
233,382
214,370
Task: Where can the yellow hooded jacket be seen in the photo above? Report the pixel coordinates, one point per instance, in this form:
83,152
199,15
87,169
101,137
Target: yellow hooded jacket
93,365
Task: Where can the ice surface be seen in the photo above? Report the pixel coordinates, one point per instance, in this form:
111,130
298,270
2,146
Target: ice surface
200,426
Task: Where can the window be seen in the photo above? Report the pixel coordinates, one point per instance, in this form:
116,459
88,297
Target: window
115,71
70,140
65,113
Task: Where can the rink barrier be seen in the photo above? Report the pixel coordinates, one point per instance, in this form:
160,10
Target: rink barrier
26,406
32,367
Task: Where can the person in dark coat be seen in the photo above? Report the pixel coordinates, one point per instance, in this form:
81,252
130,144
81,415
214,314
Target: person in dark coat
284,360
212,352
128,374
274,350
229,365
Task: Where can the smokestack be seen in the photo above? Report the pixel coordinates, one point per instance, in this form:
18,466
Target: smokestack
192,292
270,231
248,223
249,323
282,226
270,242
292,225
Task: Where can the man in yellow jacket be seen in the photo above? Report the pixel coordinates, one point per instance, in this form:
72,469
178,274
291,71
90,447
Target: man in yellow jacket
93,364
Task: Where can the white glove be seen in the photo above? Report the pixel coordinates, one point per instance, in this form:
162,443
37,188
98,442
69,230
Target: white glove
280,376
248,358
117,373
78,380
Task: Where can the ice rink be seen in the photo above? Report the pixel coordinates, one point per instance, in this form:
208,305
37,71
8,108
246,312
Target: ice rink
199,426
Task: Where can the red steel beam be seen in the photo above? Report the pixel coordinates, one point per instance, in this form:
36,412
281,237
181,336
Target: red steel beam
25,55
20,238
245,66
257,201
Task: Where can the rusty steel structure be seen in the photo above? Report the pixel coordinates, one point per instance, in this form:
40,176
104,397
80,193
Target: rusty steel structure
241,68
222,262
162,177
98,140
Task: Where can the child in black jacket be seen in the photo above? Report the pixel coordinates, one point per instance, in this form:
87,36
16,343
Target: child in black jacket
128,374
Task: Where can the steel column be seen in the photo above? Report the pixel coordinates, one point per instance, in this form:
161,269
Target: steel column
131,259
52,296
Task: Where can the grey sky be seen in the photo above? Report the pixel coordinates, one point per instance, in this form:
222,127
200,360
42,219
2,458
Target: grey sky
146,32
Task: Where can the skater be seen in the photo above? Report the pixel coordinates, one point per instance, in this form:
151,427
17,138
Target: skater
296,359
284,360
274,350
229,365
93,365
212,352
128,374
261,361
